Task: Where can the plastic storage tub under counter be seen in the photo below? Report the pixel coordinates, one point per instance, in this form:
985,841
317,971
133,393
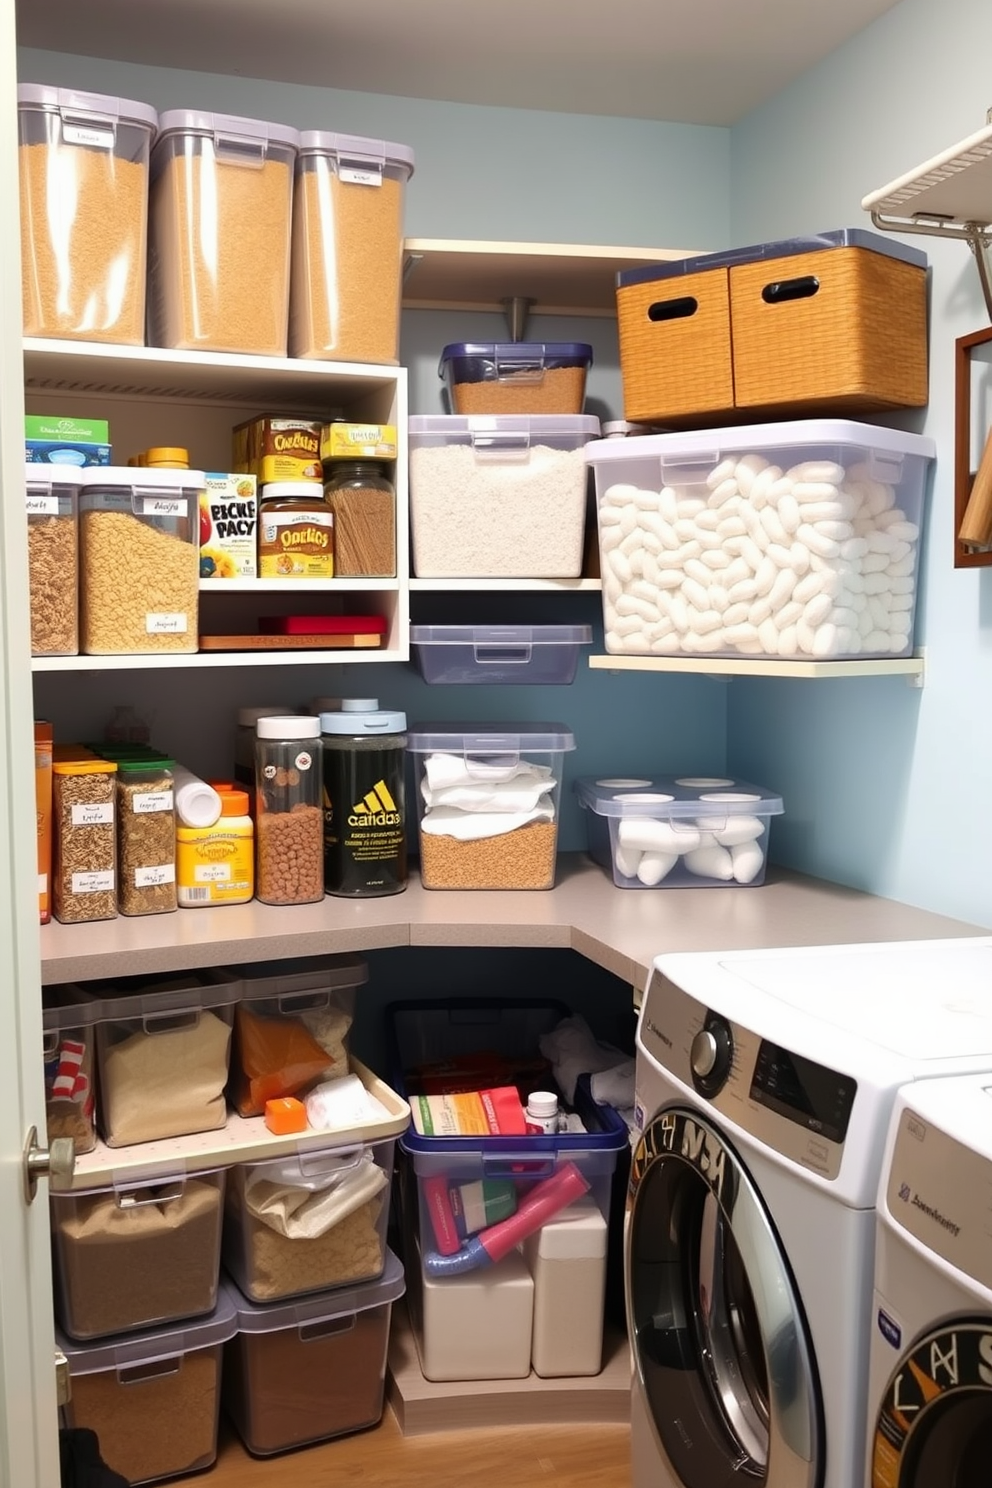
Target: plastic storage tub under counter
539,655
489,802
69,1043
83,167
498,497
678,832
153,1399
305,1371
516,376
793,541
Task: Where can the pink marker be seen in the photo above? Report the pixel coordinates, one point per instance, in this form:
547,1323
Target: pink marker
492,1244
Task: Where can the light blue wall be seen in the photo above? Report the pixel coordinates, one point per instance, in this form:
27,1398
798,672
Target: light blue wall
885,788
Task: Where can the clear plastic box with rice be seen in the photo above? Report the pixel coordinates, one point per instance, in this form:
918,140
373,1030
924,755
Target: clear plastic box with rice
488,802
52,506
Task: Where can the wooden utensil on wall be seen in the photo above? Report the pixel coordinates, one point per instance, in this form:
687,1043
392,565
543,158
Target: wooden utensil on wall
972,495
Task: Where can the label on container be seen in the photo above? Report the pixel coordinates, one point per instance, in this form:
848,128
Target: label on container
92,883
87,134
296,544
163,506
151,801
93,814
356,176
42,506
148,878
161,623
42,883
209,873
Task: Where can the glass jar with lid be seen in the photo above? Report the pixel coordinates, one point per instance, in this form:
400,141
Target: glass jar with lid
363,501
295,532
289,817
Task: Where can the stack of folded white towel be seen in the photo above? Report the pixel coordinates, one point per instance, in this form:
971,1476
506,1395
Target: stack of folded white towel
469,799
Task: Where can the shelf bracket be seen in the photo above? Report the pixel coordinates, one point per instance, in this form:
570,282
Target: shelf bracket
978,236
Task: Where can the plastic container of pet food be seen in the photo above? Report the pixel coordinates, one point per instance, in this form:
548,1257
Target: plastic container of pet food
516,376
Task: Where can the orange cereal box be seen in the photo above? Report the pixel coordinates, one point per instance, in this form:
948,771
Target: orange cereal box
43,807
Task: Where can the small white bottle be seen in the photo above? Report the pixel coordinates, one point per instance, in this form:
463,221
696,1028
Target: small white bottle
542,1114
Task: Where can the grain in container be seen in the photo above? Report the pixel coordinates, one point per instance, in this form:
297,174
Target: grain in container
516,376
678,831
796,540
289,815
163,1047
220,210
83,162
501,496
277,1367
69,1044
146,836
52,505
538,655
139,560
347,247
152,1398
362,500
489,800
137,1252
84,875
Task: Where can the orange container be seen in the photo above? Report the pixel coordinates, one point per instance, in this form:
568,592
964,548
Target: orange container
43,807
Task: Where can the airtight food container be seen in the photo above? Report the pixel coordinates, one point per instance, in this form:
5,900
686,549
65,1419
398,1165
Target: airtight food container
678,831
83,162
798,541
538,655
220,211
304,1371
347,247
51,499
489,797
69,1051
498,497
516,376
139,560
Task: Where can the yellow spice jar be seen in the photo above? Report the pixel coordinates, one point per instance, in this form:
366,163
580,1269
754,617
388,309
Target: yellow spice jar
216,865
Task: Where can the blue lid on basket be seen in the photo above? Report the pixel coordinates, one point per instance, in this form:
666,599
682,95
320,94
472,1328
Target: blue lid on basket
844,237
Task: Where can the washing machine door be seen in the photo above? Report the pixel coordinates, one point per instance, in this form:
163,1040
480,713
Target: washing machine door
934,1428
721,1348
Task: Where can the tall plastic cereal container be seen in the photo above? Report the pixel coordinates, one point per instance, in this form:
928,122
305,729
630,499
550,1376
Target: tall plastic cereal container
84,876
146,836
289,819
83,168
139,560
220,211
51,500
347,247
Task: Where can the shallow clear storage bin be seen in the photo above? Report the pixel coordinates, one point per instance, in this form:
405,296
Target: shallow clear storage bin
52,506
678,831
83,168
347,247
541,655
498,497
220,212
489,800
139,560
153,1398
305,1371
796,540
516,376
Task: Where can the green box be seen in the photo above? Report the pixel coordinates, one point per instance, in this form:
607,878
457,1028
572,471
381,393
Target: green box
72,430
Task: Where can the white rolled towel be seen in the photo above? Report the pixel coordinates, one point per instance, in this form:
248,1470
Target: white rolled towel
654,866
495,795
444,770
649,835
470,826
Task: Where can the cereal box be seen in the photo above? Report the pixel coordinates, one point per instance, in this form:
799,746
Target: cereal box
278,449
228,526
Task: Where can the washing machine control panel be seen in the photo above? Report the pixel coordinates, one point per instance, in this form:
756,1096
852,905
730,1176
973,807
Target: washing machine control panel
786,1100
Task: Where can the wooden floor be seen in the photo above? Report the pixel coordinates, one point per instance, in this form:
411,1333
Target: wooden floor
512,1457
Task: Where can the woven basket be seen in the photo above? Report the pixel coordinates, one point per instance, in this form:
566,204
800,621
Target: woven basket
842,327
675,348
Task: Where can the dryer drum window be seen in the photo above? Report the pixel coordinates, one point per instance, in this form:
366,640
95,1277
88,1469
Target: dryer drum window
934,1429
723,1359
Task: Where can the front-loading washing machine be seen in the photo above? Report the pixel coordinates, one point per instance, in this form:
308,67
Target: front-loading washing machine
930,1382
765,1082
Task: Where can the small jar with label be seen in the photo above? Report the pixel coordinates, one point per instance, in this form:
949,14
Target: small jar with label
215,864
289,817
146,836
363,502
84,878
541,1113
295,532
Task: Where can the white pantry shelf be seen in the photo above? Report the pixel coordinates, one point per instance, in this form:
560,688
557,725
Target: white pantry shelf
199,660
756,666
289,587
545,586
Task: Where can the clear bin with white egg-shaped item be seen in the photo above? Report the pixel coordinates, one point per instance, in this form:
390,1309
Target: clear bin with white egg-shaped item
83,168
678,831
488,800
794,541
139,560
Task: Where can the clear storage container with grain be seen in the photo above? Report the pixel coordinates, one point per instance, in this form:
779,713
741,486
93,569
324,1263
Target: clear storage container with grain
347,247
289,815
500,497
52,505
796,540
219,219
137,1253
84,877
146,836
152,1398
277,1368
489,799
83,169
139,560
516,376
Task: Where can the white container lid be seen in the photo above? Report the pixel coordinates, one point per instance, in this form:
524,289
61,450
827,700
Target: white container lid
231,126
47,476
248,717
710,445
274,726
138,478
86,107
362,716
578,1233
293,490
355,150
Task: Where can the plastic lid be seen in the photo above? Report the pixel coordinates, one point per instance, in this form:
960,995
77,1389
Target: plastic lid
293,490
137,478
233,803
297,726
501,635
127,1350
342,1302
844,237
248,717
71,101
666,796
68,1006
491,738
158,998
85,767
584,426
362,716
52,475
354,148
710,445
542,1103
192,121
275,979
519,351
143,762
166,454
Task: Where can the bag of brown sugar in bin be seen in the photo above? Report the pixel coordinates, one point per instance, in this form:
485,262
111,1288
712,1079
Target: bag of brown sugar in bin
347,247
273,1057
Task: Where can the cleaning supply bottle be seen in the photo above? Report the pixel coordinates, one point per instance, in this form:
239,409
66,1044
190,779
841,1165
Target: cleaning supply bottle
364,790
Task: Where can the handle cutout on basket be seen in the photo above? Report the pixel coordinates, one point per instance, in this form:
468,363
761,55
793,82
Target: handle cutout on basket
783,290
679,309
